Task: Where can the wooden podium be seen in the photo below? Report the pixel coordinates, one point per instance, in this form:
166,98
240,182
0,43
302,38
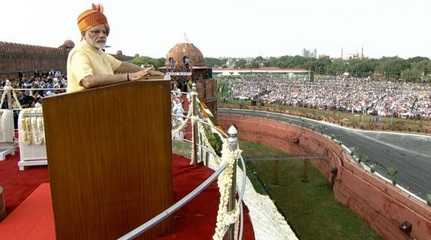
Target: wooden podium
109,156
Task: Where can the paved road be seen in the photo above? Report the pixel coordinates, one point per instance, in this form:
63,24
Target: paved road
409,154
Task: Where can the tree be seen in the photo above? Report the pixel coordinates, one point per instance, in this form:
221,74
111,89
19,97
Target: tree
424,66
241,63
215,62
392,172
143,60
258,62
300,62
337,67
411,75
429,199
391,67
321,65
417,59
224,90
361,67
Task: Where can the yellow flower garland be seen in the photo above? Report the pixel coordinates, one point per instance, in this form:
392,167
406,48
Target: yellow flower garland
32,127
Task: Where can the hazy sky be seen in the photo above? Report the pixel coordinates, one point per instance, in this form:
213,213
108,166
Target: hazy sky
240,28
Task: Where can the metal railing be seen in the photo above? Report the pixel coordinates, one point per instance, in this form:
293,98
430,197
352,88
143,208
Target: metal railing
168,212
201,148
196,116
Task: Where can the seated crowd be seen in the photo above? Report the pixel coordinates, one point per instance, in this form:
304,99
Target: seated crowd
49,81
356,95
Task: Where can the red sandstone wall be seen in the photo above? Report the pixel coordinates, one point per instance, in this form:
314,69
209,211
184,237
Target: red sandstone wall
379,203
23,58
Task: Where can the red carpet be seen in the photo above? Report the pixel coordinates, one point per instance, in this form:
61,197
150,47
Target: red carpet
33,219
19,184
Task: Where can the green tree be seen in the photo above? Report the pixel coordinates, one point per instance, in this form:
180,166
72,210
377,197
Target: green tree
411,75
361,67
391,67
424,66
215,62
224,90
143,60
337,67
417,59
258,62
429,199
321,65
241,63
392,172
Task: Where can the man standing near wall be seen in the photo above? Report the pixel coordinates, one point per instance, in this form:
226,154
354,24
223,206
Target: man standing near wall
88,65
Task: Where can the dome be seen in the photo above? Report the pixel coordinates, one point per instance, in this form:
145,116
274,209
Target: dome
68,44
119,53
184,53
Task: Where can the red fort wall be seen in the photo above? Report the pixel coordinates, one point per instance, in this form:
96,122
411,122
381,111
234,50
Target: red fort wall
379,203
21,58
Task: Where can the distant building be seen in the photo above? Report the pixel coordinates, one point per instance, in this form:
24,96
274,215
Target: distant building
120,56
309,53
183,57
355,55
185,64
17,60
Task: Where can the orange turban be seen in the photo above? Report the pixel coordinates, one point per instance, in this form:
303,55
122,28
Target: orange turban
92,17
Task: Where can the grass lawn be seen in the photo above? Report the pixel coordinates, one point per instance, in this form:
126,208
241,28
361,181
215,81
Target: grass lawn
310,207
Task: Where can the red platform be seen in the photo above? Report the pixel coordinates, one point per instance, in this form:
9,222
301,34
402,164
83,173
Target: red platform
33,218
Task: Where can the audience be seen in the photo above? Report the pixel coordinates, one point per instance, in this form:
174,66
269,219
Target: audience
356,95
49,81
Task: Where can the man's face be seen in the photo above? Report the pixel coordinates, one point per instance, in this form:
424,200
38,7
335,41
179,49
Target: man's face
96,36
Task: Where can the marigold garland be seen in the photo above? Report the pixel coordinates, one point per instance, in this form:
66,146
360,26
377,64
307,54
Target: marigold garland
31,126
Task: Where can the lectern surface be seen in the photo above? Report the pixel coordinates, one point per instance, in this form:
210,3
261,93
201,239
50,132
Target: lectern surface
109,158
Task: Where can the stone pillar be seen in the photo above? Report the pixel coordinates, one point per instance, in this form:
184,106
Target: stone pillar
232,140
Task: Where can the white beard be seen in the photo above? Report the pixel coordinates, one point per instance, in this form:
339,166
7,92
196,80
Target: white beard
100,45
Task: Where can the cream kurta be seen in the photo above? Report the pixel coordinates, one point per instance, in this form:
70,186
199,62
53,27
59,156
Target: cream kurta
85,60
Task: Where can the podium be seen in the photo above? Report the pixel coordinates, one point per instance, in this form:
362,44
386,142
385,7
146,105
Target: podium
109,157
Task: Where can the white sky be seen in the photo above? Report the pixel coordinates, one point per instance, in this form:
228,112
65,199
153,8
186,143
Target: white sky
235,28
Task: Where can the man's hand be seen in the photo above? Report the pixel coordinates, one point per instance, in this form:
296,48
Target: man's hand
147,72
156,73
140,74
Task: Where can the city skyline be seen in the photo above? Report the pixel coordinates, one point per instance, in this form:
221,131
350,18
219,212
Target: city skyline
236,28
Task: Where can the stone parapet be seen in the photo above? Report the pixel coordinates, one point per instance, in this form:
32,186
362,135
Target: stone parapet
383,206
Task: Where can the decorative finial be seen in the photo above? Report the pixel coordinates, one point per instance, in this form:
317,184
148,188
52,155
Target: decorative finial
232,139
232,131
186,39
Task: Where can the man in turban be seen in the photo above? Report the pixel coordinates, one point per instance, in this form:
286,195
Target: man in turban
88,65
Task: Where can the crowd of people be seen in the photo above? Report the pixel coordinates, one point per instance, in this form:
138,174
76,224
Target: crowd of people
356,95
49,81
